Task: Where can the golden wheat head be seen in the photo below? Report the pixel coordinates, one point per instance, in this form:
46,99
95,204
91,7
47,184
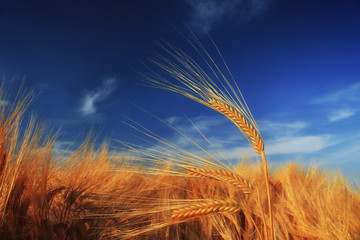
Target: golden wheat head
208,207
234,179
240,121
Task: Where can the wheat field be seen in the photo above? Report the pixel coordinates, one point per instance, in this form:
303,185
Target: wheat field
95,193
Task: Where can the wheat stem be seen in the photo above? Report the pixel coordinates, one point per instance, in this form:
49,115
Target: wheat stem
263,157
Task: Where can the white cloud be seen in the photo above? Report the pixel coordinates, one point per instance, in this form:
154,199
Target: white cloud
340,114
348,94
4,103
42,86
93,97
286,145
238,152
62,148
173,120
286,138
209,12
204,123
201,123
341,104
283,128
303,144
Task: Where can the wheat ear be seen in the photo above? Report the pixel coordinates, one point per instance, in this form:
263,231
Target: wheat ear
214,206
240,121
221,175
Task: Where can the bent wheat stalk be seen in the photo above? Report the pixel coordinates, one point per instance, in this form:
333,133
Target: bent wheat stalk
221,175
199,85
214,206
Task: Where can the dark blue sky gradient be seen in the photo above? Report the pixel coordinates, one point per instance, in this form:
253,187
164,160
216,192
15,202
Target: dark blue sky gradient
296,62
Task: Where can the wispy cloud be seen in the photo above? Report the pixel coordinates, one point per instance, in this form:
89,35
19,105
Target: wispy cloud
210,12
285,145
91,98
62,148
347,94
4,103
283,128
281,146
302,144
200,123
173,120
42,86
285,137
348,150
341,104
340,114
204,123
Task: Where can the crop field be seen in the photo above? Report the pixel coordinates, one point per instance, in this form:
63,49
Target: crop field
166,192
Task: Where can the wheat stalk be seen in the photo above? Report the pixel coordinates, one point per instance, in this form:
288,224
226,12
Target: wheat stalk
226,98
255,140
214,206
221,175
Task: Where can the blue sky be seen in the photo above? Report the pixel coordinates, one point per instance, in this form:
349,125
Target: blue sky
296,62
